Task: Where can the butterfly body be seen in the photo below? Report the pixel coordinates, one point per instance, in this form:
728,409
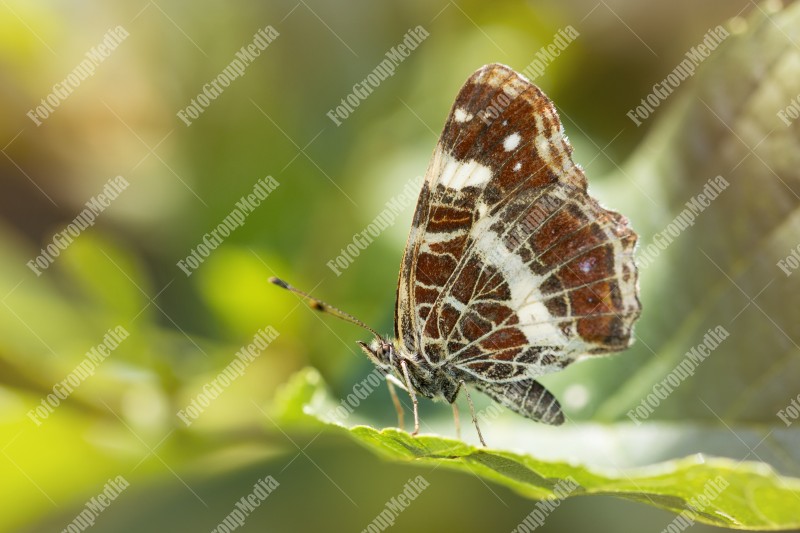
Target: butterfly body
434,382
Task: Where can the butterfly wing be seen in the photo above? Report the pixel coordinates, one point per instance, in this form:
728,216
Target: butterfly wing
511,269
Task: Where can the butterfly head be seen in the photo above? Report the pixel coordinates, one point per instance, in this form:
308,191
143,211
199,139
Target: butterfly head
381,352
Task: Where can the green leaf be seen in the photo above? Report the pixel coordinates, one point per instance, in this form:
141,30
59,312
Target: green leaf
741,494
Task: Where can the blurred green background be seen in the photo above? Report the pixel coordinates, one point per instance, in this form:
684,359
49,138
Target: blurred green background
184,180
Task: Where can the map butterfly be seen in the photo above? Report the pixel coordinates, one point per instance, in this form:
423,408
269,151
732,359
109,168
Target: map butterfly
511,270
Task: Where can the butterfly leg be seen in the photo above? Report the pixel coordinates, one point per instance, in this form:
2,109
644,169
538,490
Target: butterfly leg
472,411
397,405
410,389
456,420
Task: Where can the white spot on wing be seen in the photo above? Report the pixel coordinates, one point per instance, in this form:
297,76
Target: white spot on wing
587,264
517,166
462,116
459,174
511,142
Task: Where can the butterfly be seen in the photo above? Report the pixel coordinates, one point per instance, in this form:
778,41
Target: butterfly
511,270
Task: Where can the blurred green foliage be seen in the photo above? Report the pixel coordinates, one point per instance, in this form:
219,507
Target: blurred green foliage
333,181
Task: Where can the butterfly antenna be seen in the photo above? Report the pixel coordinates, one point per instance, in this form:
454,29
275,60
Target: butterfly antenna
321,306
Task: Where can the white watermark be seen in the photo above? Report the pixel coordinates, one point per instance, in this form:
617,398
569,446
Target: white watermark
499,102
520,233
562,489
232,371
791,412
791,262
697,504
385,69
246,505
490,413
85,69
99,503
82,371
547,54
385,219
682,221
791,112
84,220
235,219
685,69
235,69
411,491
684,370
361,391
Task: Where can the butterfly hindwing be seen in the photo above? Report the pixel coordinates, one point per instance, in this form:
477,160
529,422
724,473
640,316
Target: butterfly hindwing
526,397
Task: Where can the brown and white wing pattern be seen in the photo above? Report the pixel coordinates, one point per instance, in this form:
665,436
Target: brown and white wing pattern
511,269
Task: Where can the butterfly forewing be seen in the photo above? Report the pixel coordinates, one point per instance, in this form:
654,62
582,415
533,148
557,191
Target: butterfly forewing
511,269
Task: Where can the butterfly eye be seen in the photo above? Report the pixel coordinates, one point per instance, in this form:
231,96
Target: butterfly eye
388,351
